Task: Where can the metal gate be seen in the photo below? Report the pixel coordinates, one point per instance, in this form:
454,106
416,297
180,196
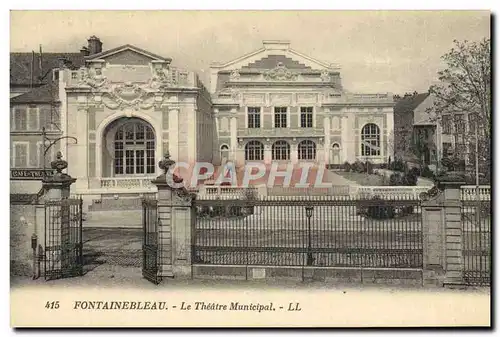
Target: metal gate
476,227
63,239
150,251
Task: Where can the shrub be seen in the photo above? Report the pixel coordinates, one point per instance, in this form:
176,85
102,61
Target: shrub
347,167
427,172
399,165
380,212
415,171
395,179
383,166
359,167
410,179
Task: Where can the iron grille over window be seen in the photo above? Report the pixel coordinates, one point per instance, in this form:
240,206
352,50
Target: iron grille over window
253,118
306,117
281,150
254,150
134,149
307,150
280,117
370,140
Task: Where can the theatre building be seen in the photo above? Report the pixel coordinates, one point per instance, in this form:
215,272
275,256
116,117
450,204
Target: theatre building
277,104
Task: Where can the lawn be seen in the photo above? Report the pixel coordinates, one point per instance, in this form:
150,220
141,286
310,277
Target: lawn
363,179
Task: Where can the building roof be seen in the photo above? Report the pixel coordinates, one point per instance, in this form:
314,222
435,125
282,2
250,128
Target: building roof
119,49
20,66
47,93
409,103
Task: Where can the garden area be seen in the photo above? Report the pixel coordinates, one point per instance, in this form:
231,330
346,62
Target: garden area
368,174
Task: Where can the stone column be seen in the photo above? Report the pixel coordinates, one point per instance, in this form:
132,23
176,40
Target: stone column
294,154
57,215
267,153
175,219
327,127
442,233
173,131
233,127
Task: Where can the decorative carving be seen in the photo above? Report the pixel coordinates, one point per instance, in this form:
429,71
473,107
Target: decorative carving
229,93
325,76
280,73
281,99
431,194
235,75
127,94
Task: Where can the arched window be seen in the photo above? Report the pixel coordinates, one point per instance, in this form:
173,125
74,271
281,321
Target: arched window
336,146
224,151
370,140
307,150
254,150
281,150
134,147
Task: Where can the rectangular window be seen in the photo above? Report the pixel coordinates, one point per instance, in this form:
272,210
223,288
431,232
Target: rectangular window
20,119
119,157
472,123
33,119
446,148
129,161
20,154
460,124
150,157
446,124
306,117
253,118
280,117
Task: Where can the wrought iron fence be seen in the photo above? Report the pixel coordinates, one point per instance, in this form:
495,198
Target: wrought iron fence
476,249
316,231
63,238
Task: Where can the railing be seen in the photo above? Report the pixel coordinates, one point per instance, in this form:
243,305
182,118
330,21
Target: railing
127,182
335,190
227,192
468,192
389,192
331,232
281,132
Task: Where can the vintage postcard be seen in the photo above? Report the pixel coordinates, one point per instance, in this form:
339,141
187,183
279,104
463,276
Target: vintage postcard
250,168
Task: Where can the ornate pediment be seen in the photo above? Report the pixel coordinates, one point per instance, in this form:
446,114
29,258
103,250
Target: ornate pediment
126,94
280,73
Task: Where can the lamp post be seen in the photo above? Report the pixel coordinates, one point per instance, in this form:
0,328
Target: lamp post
309,213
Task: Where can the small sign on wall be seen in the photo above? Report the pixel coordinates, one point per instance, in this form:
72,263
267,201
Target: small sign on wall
30,174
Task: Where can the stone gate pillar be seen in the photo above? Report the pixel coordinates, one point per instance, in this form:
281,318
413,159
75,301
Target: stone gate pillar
53,216
175,215
442,232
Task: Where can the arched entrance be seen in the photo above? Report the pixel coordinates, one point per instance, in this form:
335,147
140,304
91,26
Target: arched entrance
335,158
129,148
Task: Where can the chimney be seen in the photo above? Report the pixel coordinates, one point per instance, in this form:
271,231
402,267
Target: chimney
84,51
95,45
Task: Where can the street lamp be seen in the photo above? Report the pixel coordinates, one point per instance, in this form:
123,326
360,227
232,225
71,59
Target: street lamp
309,213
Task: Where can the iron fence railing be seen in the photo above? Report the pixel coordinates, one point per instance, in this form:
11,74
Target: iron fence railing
315,231
476,242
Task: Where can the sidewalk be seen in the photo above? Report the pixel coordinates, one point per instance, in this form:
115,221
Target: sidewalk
108,276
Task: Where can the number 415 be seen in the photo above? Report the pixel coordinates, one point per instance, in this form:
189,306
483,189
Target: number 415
52,305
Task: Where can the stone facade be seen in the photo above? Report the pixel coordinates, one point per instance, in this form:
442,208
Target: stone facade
278,80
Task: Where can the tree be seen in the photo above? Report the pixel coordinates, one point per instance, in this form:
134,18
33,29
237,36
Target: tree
465,91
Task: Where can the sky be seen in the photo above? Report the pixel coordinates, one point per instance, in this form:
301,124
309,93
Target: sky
378,51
